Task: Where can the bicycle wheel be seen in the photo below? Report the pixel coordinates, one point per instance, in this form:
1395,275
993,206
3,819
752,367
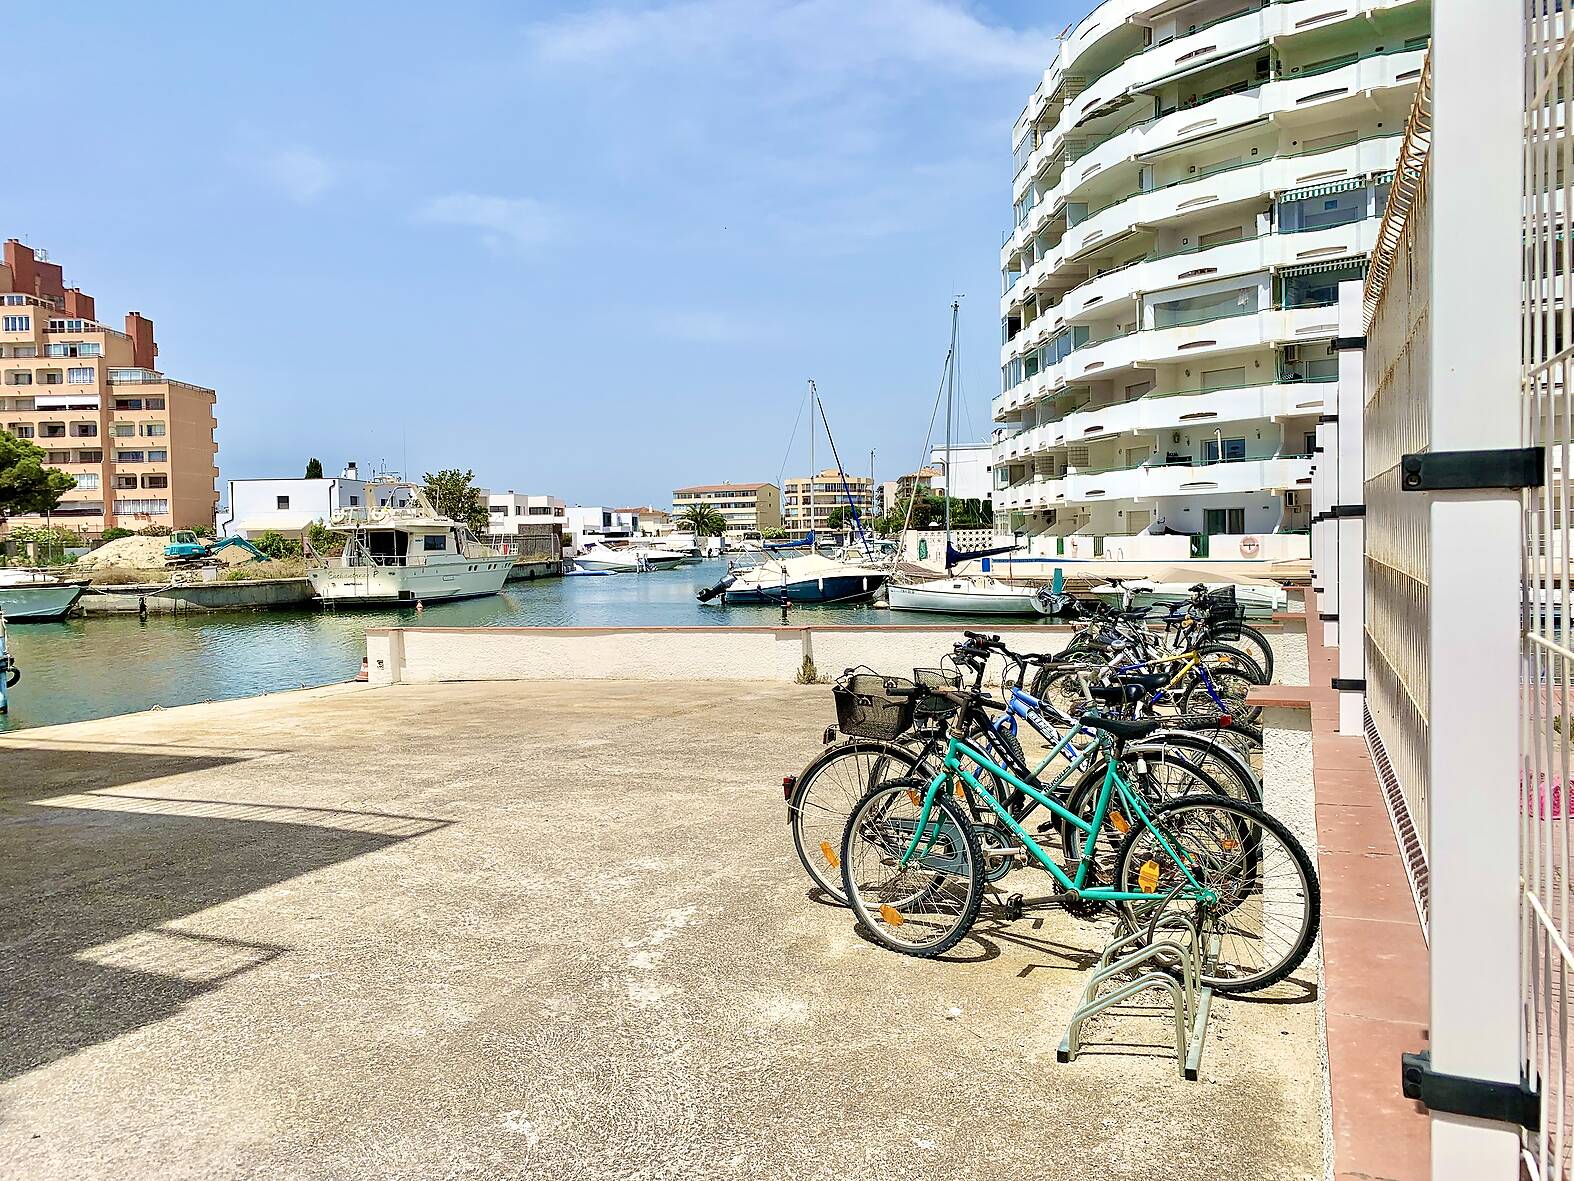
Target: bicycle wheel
1223,764
1224,656
1231,687
1266,913
925,907
824,796
1255,645
1062,689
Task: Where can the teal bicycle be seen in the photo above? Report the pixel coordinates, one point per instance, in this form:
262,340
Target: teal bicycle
915,875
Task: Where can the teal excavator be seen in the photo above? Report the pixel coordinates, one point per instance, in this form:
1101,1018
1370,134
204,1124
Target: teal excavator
185,548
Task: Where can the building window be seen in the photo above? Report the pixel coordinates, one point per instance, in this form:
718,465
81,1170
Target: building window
17,324
155,481
355,502
123,430
51,377
128,404
125,481
85,430
82,375
24,352
155,403
87,481
71,325
434,543
158,456
19,377
90,456
1224,520
153,429
52,430
129,457
281,503
1233,449
22,431
141,508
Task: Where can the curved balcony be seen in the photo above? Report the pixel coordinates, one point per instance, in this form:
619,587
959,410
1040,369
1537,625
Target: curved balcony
1171,411
1218,42
1036,492
1376,71
1159,272
1227,477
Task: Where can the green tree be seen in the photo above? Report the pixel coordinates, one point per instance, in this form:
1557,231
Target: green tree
26,485
276,545
840,517
453,494
314,469
702,520
773,534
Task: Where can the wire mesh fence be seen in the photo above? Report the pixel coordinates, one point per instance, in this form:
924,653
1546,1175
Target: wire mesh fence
1398,600
1546,959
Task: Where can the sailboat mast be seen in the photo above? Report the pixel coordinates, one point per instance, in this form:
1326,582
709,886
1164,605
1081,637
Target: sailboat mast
950,386
814,398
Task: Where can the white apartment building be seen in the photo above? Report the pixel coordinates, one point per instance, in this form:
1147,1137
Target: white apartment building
971,471
511,512
288,506
1192,182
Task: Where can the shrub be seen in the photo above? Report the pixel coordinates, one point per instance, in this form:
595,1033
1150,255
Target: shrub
116,534
154,531
276,545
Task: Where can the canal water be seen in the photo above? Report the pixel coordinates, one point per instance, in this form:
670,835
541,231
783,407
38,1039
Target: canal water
104,665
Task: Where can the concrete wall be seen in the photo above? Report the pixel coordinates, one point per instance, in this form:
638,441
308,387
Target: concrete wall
427,654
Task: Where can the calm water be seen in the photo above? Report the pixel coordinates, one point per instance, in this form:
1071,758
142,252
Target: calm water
92,668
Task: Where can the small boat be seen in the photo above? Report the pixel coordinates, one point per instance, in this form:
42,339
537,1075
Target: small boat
575,570
30,596
1260,601
405,553
969,595
807,579
598,555
9,673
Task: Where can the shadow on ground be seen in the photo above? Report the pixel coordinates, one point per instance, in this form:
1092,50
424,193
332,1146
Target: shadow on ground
95,865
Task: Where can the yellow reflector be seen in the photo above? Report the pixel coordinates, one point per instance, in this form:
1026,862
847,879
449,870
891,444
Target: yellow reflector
830,854
1230,845
891,915
1119,822
961,794
914,795
1148,876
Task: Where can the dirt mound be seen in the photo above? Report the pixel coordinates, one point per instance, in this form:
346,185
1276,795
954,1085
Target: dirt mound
137,553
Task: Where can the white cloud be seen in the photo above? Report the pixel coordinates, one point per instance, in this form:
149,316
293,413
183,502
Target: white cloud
829,33
301,174
503,221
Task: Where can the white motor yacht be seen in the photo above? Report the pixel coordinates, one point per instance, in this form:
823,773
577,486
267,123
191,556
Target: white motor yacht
404,553
631,559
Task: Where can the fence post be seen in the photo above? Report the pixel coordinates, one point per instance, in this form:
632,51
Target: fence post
1474,582
1350,407
1325,477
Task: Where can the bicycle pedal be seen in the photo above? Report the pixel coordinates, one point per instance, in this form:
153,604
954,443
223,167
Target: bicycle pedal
1014,906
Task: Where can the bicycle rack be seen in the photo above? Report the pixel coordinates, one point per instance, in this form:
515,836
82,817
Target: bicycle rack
1190,1000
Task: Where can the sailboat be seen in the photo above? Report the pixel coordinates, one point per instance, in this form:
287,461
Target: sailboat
956,594
809,577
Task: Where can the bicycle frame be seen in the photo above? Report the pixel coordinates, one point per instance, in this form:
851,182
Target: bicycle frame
1113,785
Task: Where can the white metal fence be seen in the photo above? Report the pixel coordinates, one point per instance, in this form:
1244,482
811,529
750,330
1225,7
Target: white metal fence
1547,658
1397,422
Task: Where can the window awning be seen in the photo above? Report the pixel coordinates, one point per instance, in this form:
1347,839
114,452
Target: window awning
1333,186
1317,268
1383,178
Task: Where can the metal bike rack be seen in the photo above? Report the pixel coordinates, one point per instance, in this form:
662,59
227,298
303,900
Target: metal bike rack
1191,1001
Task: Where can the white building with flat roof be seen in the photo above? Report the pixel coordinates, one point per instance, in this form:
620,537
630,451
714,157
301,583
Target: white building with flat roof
1192,181
511,512
288,506
969,474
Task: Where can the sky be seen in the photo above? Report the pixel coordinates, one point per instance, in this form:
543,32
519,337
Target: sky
589,250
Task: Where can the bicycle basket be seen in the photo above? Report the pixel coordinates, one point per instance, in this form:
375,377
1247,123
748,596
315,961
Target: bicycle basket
865,707
1224,621
932,705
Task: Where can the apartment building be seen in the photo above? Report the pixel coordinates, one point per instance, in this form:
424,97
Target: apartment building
807,502
513,512
139,444
1193,179
747,508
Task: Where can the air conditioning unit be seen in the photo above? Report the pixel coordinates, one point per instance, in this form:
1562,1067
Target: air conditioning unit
1175,438
1292,352
1294,500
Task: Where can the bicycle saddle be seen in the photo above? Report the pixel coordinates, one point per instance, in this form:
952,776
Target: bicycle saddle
1126,729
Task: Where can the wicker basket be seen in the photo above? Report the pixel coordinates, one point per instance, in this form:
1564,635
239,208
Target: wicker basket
867,708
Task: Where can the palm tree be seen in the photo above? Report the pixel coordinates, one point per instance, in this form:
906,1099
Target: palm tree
703,521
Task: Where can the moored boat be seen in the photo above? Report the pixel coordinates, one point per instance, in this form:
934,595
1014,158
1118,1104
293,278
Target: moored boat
407,553
29,596
964,595
807,579
598,555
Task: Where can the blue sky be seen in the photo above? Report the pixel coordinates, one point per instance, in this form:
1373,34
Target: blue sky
588,250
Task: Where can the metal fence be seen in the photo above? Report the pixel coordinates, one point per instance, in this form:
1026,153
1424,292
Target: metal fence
1397,422
1547,658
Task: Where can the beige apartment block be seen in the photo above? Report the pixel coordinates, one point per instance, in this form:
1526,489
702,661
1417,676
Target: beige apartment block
747,508
139,444
807,502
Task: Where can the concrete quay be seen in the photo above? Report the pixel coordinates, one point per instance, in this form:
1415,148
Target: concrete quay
547,930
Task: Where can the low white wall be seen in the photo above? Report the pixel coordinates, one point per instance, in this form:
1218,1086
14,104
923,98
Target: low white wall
424,655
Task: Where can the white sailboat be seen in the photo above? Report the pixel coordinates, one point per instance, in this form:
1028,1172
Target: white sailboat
955,594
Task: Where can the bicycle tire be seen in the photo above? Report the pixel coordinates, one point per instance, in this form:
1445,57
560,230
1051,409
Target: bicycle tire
1231,658
812,838
1232,774
1232,687
1258,649
869,830
1233,884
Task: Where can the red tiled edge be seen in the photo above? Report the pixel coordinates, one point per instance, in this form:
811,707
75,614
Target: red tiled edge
1374,957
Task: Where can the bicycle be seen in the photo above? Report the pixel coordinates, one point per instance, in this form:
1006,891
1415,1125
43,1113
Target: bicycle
913,873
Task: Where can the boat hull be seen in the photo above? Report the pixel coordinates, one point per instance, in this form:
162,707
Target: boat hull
960,596
835,588
436,582
38,603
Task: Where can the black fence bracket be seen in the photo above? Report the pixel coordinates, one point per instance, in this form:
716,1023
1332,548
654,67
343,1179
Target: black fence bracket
1350,684
1443,471
1509,1103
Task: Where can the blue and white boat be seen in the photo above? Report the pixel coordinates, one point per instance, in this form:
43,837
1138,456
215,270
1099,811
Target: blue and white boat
807,579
